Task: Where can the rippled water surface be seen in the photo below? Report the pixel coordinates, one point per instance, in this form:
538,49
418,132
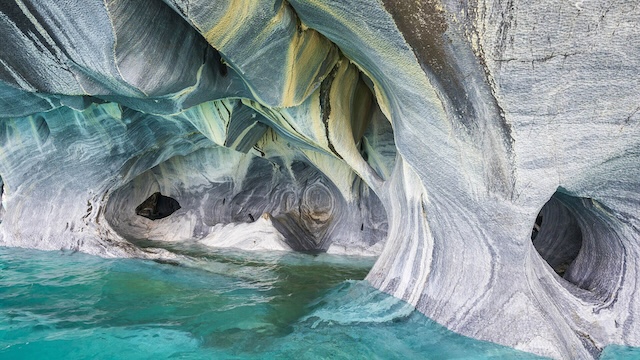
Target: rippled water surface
220,305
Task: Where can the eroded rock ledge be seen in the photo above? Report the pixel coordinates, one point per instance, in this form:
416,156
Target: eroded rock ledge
429,133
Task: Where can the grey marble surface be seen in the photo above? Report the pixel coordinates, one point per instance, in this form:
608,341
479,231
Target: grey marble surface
430,134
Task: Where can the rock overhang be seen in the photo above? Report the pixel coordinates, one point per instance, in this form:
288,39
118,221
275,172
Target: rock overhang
444,148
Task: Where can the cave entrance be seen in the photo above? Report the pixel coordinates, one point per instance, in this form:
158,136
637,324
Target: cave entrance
274,203
583,241
556,234
157,206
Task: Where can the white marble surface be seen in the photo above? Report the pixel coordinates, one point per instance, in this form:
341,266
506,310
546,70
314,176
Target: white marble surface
431,133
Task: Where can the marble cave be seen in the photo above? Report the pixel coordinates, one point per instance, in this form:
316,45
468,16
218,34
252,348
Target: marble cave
487,152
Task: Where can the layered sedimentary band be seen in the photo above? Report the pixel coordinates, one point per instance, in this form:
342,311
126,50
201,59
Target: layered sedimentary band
434,134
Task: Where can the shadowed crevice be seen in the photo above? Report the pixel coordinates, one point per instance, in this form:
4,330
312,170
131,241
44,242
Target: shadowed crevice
581,240
557,236
157,206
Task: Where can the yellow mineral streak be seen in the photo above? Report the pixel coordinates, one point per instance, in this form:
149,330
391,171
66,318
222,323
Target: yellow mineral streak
340,173
350,104
305,127
230,24
181,94
240,137
306,72
313,123
276,117
407,69
361,113
307,59
211,118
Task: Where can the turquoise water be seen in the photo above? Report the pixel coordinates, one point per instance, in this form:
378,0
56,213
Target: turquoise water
212,305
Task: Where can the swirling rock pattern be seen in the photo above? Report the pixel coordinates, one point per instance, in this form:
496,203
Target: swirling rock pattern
432,133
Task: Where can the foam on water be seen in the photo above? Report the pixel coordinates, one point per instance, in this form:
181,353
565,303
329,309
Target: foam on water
61,305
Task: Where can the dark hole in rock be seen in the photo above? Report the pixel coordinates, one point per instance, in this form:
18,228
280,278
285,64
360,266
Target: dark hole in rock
157,206
556,235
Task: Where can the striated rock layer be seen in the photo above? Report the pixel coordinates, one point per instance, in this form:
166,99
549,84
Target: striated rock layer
435,134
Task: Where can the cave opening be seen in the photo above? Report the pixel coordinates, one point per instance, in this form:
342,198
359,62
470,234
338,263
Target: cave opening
556,235
580,239
157,206
272,197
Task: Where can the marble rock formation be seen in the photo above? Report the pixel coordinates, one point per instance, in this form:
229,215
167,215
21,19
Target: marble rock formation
430,133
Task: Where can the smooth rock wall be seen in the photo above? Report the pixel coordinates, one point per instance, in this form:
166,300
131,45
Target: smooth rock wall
456,121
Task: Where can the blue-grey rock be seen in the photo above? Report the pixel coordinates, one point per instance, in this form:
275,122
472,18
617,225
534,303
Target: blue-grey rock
430,134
